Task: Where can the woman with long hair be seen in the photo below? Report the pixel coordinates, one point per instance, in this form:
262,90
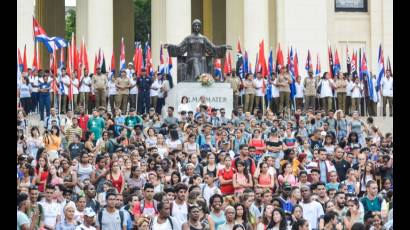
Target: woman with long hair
278,220
151,139
211,166
297,213
34,142
225,176
258,143
53,177
84,168
329,144
353,140
326,94
287,175
183,106
28,176
262,178
52,142
242,178
204,215
366,175
341,84
161,146
191,146
341,125
175,178
357,126
116,177
41,171
173,142
266,217
351,182
240,216
68,175
353,214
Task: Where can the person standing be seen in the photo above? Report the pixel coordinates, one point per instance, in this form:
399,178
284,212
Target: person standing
85,89
163,92
260,87
65,80
235,85
310,85
164,220
123,84
356,94
34,90
24,94
155,88
275,95
299,93
144,87
326,92
110,218
387,92
112,94
100,85
372,102
249,86
349,88
312,210
44,96
284,81
132,98
341,85
75,83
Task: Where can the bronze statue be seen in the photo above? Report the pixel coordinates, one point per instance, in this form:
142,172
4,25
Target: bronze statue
199,53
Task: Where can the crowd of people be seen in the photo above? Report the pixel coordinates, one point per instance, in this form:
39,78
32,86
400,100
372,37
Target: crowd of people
122,165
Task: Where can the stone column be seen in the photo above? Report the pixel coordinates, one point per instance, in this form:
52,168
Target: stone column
124,19
234,25
256,27
25,12
207,14
51,16
94,21
376,34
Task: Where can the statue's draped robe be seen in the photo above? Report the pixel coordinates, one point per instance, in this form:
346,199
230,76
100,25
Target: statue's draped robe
197,48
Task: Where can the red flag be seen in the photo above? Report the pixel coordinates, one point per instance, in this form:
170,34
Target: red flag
61,57
99,58
226,66
238,47
262,61
280,62
230,62
68,68
35,64
135,59
296,65
148,61
139,66
95,64
54,68
25,59
76,62
113,62
52,64
85,59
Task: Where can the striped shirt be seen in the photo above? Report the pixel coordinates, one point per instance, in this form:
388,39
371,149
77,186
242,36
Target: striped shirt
71,131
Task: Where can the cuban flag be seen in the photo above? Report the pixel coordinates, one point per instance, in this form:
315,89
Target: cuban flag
257,66
329,52
239,61
148,59
336,66
353,64
161,61
112,68
348,62
122,55
246,63
365,70
309,64
50,43
20,61
270,63
292,75
318,68
18,66
380,68
217,67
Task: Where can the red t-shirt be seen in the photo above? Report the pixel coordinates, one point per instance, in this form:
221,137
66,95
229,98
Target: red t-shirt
227,189
257,143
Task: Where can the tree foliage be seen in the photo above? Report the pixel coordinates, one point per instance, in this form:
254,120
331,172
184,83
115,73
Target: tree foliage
142,9
69,24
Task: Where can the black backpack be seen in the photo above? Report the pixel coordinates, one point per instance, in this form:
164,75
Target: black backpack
100,218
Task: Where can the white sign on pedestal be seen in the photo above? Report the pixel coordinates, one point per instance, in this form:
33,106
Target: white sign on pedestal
218,95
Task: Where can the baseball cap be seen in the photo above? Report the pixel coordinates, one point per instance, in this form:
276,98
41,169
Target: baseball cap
89,212
286,185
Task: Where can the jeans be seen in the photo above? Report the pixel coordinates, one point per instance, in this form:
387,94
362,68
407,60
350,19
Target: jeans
44,100
34,100
143,102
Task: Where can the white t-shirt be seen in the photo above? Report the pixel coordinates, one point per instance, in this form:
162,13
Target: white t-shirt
207,192
34,82
154,92
299,90
133,90
51,211
387,87
84,88
311,212
75,86
112,90
129,72
326,90
259,86
275,89
65,80
356,91
183,107
180,212
349,88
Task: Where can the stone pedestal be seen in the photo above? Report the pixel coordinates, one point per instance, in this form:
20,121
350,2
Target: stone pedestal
219,95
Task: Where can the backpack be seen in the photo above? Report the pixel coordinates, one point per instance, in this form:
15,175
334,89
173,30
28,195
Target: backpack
142,206
100,218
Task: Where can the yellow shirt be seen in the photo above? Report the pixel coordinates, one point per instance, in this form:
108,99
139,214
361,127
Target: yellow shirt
52,142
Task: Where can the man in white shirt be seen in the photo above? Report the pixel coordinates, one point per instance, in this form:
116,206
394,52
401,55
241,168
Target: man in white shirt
260,88
349,88
356,94
74,81
34,90
85,89
387,92
132,98
51,209
164,221
275,95
326,93
299,93
312,210
65,80
155,88
180,206
130,70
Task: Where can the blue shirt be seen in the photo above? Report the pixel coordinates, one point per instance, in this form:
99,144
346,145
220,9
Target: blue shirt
144,84
44,85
